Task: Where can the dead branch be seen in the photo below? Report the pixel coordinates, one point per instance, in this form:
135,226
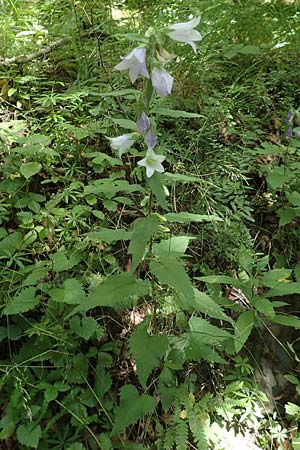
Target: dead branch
31,56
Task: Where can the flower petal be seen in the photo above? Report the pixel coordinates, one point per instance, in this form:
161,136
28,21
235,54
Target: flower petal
186,25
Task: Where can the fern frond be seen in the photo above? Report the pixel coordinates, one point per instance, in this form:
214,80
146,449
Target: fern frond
181,435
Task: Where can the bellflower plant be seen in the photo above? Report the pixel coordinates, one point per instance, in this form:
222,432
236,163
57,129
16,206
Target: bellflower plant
150,139
184,32
162,82
152,163
135,62
122,143
143,123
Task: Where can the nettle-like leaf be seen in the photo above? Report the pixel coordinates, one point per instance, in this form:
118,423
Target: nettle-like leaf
25,301
207,333
29,169
132,408
243,328
156,184
147,350
71,292
206,305
29,434
176,246
186,217
63,262
171,271
115,291
85,327
143,230
286,320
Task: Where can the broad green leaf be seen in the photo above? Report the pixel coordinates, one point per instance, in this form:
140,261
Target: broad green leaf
206,332
220,279
29,169
25,301
9,244
293,197
50,393
296,442
263,305
176,246
78,369
36,276
206,305
115,291
287,214
143,230
175,113
288,321
109,235
62,262
132,408
284,289
157,188
125,123
29,434
118,93
276,276
147,351
181,178
243,328
85,327
250,50
71,292
171,271
186,217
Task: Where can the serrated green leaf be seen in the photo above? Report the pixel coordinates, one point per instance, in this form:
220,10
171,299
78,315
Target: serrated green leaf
220,279
243,328
206,305
125,123
288,321
147,351
85,327
50,393
108,235
29,434
176,246
276,276
62,262
25,301
176,113
132,408
206,332
29,169
171,271
186,217
115,291
143,230
9,244
71,292
263,305
157,188
284,289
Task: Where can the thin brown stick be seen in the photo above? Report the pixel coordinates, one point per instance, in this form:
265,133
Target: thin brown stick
31,56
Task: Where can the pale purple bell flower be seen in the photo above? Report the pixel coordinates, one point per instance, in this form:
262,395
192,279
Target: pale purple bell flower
135,62
162,82
143,123
150,139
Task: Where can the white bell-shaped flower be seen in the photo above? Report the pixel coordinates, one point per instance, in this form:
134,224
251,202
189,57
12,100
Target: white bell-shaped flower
135,62
162,82
184,32
152,163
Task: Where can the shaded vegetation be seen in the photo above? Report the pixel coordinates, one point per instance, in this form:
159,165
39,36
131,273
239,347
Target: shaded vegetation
161,312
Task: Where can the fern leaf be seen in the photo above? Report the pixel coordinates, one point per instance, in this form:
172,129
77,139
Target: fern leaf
181,434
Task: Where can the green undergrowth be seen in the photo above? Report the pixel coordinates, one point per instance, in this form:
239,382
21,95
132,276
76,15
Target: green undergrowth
159,313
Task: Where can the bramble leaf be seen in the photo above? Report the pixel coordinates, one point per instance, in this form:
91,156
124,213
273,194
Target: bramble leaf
132,408
147,351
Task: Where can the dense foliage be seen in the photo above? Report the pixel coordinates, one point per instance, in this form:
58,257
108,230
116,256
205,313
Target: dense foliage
149,224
